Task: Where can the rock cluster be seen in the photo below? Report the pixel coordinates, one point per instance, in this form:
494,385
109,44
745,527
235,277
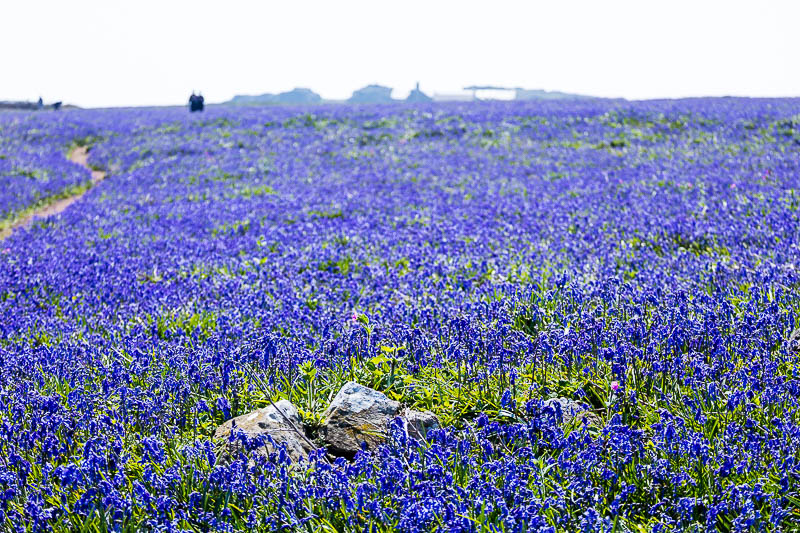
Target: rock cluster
357,415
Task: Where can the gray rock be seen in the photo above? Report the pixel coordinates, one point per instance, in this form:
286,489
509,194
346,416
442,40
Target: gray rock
573,412
794,340
359,414
268,421
419,423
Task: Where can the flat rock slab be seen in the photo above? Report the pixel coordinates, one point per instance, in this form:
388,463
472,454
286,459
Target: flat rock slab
269,422
359,414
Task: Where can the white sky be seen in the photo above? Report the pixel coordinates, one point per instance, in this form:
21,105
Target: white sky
143,52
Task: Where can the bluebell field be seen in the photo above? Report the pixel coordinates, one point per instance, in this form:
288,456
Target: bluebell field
470,259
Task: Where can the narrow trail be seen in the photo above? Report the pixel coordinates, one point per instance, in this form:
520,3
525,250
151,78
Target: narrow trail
79,155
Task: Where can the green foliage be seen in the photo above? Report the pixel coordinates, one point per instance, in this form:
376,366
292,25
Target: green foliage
317,213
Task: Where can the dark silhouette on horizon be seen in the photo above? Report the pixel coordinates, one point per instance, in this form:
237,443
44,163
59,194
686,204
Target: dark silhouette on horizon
416,95
196,102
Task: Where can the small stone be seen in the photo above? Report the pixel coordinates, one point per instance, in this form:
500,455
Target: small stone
269,422
794,340
419,423
572,411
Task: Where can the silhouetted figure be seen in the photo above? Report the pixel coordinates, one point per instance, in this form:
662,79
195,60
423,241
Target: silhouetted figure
40,103
196,102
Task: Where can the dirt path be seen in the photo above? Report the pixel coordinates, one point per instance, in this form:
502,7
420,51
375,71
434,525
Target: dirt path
79,155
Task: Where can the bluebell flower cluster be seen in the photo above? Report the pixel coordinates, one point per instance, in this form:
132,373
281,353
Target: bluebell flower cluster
476,260
33,166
